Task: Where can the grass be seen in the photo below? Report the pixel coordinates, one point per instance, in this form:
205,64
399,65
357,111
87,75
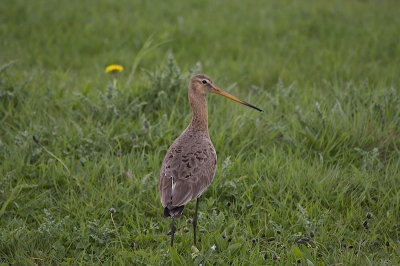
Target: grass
80,158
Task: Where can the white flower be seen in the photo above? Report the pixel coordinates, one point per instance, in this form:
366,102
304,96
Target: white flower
213,247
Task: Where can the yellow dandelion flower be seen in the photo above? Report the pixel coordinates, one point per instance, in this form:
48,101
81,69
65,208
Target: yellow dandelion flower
114,68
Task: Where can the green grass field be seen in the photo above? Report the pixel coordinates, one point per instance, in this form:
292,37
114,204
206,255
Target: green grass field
294,184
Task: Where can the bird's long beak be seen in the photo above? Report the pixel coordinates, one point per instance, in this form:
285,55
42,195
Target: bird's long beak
227,95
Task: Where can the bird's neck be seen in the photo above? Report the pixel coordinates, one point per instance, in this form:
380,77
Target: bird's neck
200,115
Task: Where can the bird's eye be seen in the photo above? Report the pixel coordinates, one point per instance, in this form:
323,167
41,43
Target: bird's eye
204,81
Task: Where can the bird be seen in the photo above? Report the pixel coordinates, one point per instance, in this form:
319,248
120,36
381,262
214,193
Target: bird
190,163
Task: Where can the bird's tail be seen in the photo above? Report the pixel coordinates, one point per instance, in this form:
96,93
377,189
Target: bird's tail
174,212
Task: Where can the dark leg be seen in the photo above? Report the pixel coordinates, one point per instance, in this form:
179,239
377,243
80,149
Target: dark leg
172,231
195,220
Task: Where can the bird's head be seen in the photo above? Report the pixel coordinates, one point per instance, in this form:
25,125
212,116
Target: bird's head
202,84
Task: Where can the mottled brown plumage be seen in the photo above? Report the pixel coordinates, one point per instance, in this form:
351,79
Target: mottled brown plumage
190,163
